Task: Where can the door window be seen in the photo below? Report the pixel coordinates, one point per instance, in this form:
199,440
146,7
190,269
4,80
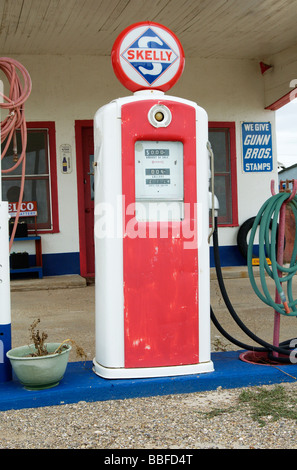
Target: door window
222,139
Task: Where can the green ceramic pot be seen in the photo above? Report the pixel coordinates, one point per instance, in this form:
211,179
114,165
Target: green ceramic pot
37,373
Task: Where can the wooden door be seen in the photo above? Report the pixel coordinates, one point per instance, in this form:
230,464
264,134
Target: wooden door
85,182
88,160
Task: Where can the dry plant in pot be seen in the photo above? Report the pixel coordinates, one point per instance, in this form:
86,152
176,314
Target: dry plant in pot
42,365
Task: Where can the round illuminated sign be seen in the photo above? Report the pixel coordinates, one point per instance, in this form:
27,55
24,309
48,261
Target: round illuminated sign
147,56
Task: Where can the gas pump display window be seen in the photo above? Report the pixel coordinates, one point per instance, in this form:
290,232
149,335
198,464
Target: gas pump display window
159,170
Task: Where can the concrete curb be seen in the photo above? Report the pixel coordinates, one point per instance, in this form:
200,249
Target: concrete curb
48,282
76,281
80,383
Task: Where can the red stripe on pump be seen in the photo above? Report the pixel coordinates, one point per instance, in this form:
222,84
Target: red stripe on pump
160,274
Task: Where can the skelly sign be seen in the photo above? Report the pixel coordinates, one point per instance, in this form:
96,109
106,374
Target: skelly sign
147,56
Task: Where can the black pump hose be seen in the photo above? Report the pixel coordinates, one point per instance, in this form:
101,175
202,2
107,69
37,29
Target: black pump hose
266,347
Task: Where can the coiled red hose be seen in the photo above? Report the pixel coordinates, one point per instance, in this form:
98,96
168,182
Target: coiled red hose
20,89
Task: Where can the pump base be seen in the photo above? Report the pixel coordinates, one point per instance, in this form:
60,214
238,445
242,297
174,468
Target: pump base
146,372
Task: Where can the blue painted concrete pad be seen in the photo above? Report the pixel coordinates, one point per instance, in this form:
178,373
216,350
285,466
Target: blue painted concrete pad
80,383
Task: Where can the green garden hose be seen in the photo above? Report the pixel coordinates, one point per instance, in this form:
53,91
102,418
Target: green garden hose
282,275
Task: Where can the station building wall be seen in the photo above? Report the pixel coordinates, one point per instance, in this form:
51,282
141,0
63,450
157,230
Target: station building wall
70,89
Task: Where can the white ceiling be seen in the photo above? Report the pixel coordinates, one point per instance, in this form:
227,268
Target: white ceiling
253,29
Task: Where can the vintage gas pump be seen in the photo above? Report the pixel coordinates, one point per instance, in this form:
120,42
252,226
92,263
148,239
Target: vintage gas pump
5,309
151,217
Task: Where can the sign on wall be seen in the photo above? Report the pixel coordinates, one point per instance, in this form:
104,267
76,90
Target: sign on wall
257,147
27,209
66,158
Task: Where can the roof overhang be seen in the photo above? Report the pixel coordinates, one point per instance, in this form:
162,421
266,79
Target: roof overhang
263,31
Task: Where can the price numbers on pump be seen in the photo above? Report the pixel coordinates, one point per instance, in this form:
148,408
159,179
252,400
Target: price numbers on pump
161,153
159,170
157,175
151,181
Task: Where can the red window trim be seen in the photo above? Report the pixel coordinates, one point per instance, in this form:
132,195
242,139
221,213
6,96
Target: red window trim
231,126
51,127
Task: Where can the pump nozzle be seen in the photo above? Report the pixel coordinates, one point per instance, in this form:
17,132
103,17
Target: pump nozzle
213,201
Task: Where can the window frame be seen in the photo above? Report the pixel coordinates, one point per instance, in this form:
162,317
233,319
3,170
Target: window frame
232,164
50,128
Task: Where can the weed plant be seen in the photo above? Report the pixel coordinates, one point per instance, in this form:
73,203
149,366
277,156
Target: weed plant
265,404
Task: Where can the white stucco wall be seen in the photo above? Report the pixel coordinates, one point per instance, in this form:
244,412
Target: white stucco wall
233,90
72,88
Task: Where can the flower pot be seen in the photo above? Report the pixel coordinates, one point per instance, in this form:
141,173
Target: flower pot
39,372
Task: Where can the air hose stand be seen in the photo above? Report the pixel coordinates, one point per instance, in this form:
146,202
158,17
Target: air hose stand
271,224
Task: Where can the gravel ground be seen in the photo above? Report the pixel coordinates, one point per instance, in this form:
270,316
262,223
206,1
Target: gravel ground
167,422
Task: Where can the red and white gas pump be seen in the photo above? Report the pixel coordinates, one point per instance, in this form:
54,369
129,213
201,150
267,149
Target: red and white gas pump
151,217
